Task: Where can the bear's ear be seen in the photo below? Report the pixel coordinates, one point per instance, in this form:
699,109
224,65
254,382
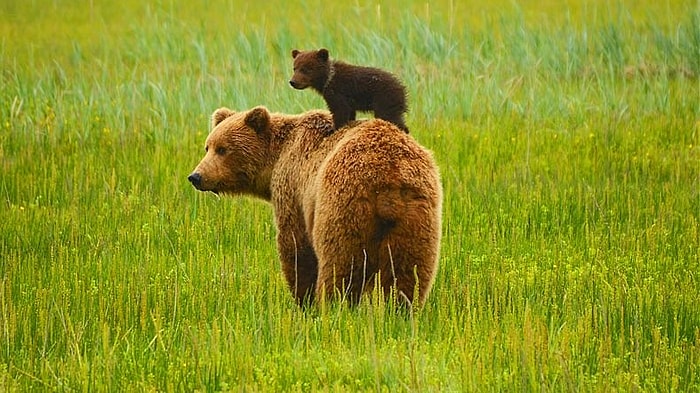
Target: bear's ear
219,115
258,119
323,54
295,53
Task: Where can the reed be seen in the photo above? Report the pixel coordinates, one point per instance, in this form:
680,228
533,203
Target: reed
568,140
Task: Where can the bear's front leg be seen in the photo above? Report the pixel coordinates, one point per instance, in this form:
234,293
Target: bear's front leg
341,110
299,264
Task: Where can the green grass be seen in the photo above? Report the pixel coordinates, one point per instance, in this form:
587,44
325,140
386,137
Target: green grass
568,137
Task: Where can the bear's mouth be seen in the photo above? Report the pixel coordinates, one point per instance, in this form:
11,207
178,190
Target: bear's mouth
214,190
297,85
217,189
198,182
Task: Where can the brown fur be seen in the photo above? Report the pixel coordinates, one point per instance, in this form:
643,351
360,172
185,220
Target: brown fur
349,88
356,208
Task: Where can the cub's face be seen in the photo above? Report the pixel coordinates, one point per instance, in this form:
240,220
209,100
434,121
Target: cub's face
310,69
235,152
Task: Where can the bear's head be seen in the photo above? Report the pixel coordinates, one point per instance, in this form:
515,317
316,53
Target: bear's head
236,153
311,68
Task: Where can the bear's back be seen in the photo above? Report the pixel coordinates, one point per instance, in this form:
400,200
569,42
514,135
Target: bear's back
376,154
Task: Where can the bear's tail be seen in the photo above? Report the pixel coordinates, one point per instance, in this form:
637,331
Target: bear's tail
394,204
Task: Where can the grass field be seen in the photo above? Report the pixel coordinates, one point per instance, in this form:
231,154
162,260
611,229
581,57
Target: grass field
568,137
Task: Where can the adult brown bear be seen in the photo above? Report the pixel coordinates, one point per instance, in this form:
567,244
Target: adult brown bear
355,209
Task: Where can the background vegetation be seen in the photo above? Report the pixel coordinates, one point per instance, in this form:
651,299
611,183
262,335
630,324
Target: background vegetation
567,133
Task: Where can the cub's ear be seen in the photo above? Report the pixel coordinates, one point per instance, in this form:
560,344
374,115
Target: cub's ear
295,53
219,115
323,54
258,119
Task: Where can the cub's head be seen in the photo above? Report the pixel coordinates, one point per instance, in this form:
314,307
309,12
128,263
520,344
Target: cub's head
236,154
311,68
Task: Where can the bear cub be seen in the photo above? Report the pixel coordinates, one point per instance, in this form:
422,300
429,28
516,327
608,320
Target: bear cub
349,88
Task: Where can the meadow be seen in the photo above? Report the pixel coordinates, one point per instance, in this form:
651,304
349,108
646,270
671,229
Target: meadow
568,138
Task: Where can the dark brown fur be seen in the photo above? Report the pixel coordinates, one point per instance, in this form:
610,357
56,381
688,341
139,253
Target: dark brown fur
348,88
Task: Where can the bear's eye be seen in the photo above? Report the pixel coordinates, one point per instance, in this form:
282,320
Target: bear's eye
221,150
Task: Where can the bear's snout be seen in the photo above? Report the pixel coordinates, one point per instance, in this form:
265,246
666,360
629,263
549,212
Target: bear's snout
295,84
196,179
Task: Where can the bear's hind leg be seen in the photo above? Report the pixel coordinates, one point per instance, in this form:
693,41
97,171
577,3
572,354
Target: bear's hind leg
392,117
348,279
408,251
347,261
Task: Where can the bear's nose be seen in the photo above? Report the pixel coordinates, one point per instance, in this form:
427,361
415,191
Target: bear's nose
293,84
195,178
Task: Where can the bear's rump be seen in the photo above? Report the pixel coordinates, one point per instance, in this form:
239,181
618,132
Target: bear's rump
376,209
390,233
